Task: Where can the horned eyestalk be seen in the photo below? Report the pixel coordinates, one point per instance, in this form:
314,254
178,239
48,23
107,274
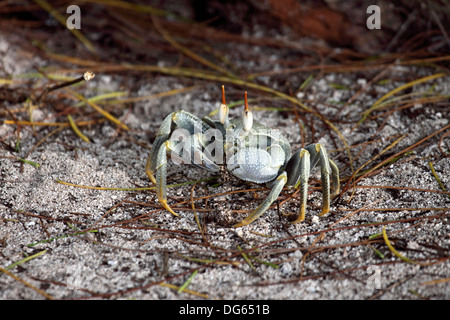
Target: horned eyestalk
223,109
247,115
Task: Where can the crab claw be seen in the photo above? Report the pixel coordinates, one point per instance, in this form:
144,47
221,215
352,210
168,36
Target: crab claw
223,109
167,207
247,116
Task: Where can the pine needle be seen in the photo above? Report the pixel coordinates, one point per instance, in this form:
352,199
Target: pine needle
132,189
195,293
32,163
391,93
61,237
188,281
76,130
25,260
97,108
395,252
42,293
246,258
437,178
187,51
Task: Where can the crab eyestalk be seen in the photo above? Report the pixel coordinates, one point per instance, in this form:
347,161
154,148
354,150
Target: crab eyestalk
223,109
247,116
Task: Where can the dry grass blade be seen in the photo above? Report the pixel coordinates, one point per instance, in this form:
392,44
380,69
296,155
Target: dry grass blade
62,20
25,259
111,98
74,127
245,256
441,185
188,281
401,88
195,293
25,283
400,153
141,8
427,283
187,51
154,96
52,124
395,252
347,186
97,108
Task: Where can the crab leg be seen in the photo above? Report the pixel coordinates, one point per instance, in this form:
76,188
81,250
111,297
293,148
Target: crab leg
273,195
299,168
335,182
156,167
181,119
162,136
161,176
319,155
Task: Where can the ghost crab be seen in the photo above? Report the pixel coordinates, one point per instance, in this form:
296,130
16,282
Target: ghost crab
248,150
